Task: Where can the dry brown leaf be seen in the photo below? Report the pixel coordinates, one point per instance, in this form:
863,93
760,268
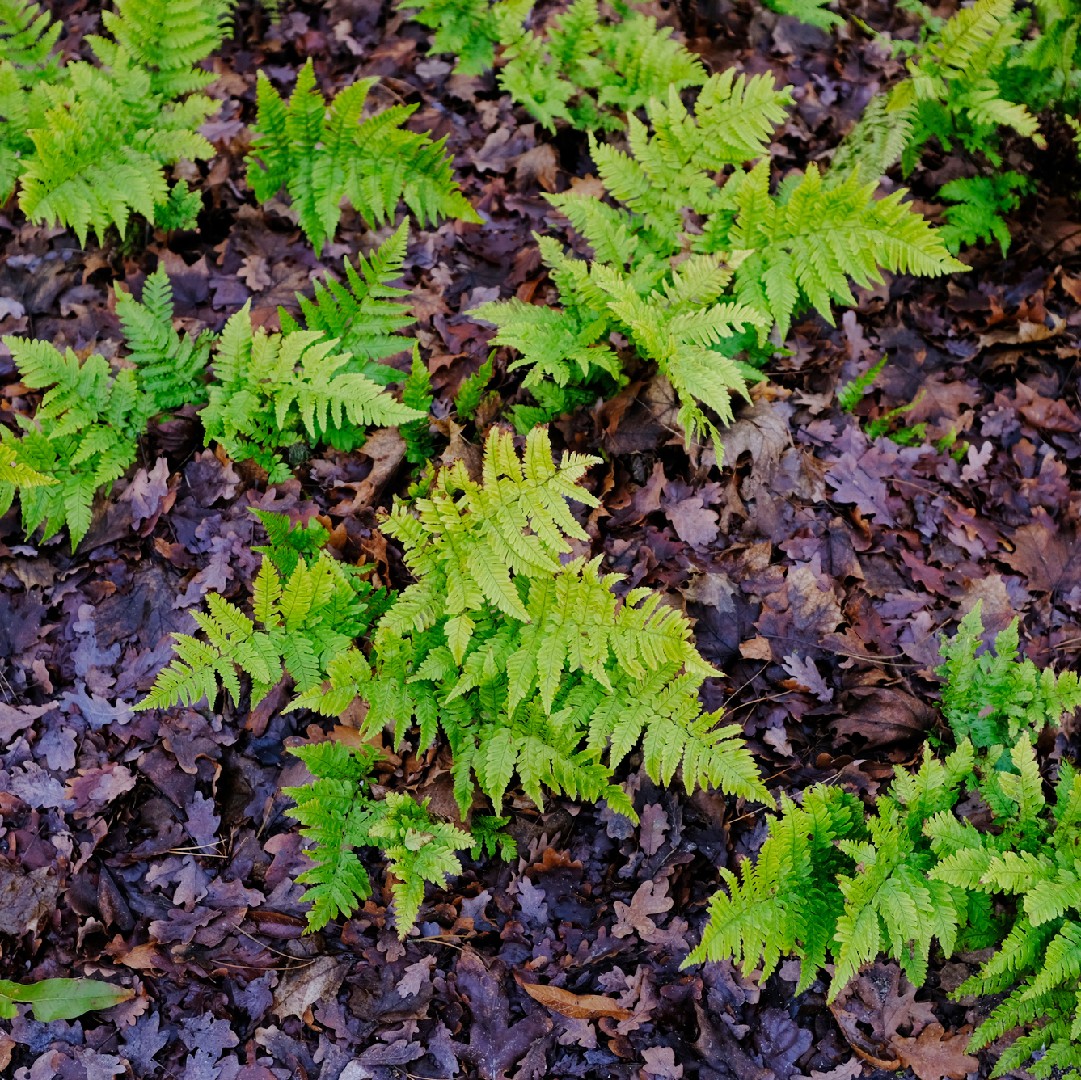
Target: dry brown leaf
936,1055
575,1006
873,1007
301,988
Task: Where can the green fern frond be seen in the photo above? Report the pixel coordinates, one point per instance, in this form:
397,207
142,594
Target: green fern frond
308,610
83,436
322,153
171,369
419,849
465,29
994,698
166,39
102,147
812,12
588,71
980,206
365,313
760,257
338,815
530,665
272,391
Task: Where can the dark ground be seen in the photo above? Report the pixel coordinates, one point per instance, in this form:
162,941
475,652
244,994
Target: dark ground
153,849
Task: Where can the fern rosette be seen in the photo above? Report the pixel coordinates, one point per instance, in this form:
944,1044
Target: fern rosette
527,664
703,278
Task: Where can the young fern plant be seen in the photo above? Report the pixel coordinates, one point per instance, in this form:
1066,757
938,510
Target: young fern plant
323,154
365,314
581,68
588,71
527,665
261,395
696,274
87,144
838,882
272,392
339,815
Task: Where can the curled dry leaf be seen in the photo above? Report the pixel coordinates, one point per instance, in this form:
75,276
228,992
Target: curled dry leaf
574,1006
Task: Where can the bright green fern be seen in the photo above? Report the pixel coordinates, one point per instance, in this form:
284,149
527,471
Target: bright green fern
322,154
88,143
979,208
589,71
836,883
273,391
581,67
695,300
365,313
527,665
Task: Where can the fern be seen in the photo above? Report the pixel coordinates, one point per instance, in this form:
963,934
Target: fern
27,38
365,313
419,849
580,68
307,608
88,143
588,71
984,71
417,394
322,154
851,394
1039,962
338,814
980,206
472,391
83,437
694,317
812,12
272,391
993,698
526,664
466,29
165,38
833,882
171,369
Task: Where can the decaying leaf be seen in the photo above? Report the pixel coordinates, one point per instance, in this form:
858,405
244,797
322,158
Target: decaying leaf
576,1006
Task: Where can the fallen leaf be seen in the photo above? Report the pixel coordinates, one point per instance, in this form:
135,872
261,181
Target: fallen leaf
649,899
25,898
575,1006
873,1007
661,1063
936,1055
301,988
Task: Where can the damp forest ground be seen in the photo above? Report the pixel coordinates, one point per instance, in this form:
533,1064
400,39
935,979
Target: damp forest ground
153,849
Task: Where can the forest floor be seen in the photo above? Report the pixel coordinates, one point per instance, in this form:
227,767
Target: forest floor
820,568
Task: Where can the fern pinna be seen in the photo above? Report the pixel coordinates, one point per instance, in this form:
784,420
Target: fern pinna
671,291
834,882
322,153
88,143
528,665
